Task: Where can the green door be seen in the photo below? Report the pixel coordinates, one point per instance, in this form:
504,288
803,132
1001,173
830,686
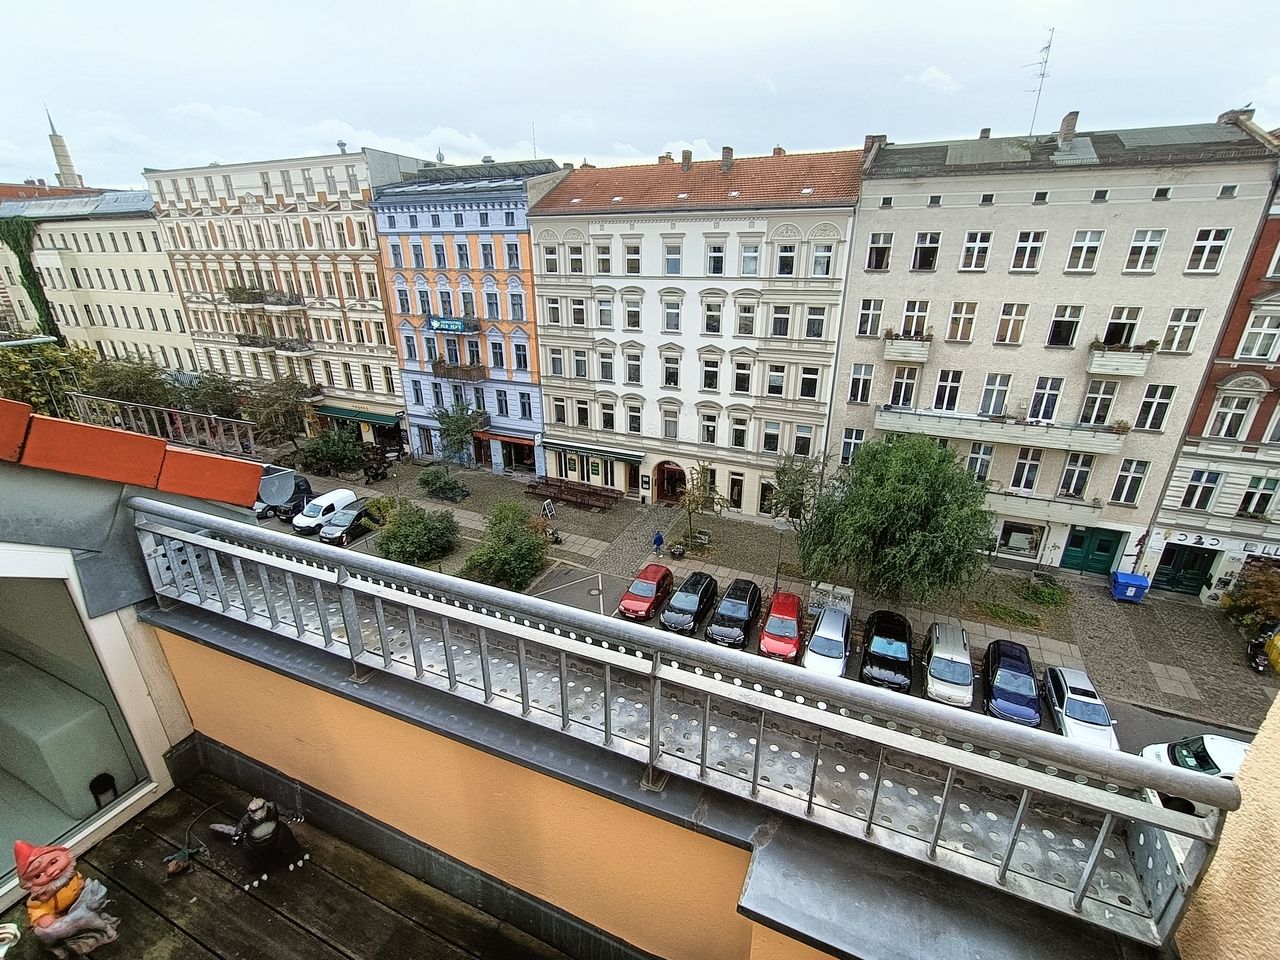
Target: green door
1091,549
1183,569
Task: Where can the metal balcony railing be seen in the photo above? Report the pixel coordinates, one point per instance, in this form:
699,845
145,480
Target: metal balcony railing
459,371
1029,813
182,427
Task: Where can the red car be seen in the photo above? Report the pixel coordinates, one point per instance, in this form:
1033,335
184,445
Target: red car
647,593
780,636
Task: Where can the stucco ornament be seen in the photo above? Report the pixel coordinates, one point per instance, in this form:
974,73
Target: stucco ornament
67,912
787,232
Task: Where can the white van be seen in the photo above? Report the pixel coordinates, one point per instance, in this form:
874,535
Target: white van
948,671
317,513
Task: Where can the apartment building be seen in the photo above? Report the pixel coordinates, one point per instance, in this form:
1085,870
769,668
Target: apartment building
277,262
1219,507
458,268
1046,307
107,280
687,313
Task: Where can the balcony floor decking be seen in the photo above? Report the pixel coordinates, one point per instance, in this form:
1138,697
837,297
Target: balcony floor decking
342,903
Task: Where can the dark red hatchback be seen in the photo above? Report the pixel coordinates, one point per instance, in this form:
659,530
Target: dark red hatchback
647,593
780,636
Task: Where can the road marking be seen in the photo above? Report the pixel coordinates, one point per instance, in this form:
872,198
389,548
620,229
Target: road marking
561,586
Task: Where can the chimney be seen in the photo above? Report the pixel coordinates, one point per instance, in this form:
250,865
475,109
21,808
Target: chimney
984,133
566,166
1067,131
726,159
778,151
873,140
1236,116
486,159
342,146
41,182
665,157
686,160
28,182
586,165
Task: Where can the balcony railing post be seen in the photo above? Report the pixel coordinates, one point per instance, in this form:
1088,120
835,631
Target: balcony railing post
706,737
446,640
755,762
483,640
215,565
813,776
1104,832
608,704
942,813
875,795
384,642
1014,830
322,612
524,676
415,644
564,691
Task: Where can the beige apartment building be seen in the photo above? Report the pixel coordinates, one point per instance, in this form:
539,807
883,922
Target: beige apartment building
107,279
277,263
1047,307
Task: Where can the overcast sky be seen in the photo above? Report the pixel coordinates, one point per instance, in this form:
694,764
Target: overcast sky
135,84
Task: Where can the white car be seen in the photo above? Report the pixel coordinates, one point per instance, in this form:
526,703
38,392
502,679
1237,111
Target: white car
1077,710
1208,754
827,652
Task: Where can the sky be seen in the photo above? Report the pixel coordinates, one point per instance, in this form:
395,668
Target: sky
133,85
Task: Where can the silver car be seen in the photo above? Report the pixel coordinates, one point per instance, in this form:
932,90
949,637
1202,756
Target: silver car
1077,709
827,651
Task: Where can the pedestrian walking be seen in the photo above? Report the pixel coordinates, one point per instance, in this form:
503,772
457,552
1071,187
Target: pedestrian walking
657,542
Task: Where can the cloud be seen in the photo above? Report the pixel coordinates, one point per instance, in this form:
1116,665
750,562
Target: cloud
766,82
931,78
577,120
1266,98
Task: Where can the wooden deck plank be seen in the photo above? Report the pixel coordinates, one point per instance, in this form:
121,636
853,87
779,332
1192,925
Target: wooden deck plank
350,921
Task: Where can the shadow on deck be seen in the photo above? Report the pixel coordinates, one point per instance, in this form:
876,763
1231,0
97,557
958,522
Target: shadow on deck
343,903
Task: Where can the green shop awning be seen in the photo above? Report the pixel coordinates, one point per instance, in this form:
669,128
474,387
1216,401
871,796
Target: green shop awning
343,413
589,450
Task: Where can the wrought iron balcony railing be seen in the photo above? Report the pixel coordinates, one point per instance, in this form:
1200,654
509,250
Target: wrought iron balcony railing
1032,814
459,371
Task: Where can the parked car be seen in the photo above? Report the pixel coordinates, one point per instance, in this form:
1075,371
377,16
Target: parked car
1208,754
736,613
300,497
689,605
827,651
1077,710
783,627
317,513
948,669
886,651
647,592
1009,684
349,524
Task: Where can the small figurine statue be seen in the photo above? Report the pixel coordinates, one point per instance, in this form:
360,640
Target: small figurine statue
66,910
266,839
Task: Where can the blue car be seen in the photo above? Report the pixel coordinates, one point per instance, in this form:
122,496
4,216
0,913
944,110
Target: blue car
1009,684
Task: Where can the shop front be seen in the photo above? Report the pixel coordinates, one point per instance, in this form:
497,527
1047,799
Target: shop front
611,467
383,429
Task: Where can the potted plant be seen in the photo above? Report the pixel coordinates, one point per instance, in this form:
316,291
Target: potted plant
1121,426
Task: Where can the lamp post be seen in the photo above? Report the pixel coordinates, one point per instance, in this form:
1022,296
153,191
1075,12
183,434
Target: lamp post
782,526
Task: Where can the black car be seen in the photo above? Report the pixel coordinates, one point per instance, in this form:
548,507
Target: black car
886,651
1009,690
690,604
300,497
349,524
739,608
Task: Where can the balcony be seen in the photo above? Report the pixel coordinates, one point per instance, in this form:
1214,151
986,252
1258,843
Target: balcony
459,371
254,341
244,295
907,349
282,301
936,423
469,324
1119,361
1044,509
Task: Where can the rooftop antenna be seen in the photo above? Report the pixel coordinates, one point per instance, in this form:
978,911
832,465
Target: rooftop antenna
533,131
1042,71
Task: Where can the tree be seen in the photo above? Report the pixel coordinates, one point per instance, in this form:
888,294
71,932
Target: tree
700,494
1253,602
904,518
41,375
132,381
410,534
335,451
797,485
458,426
278,410
18,234
213,393
513,550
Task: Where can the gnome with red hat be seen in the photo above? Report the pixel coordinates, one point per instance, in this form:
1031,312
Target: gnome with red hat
65,909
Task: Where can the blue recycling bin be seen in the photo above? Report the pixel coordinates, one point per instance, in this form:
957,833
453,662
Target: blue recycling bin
1130,587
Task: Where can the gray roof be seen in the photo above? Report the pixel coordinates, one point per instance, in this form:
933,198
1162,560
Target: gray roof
475,176
1147,146
119,203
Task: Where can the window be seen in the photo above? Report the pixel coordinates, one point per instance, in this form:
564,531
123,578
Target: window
579,364
926,252
1075,476
1027,251
1129,481
715,259
490,305
633,419
781,321
987,199
486,256
604,312
1180,334
822,257
1144,251
1085,246
457,219
513,256
671,258
977,249
814,322
914,317
770,436
1097,402
709,422
604,258
557,362
995,394
775,384
903,392
979,462
435,220
1226,191
1063,327
746,319
1200,489
402,300
711,374
853,437
1257,499
960,326
878,251
786,264
577,259
1025,470
671,371
1044,400
1040,196
1207,251
606,367
742,376
633,368
521,352
869,318
632,251
1122,327
1100,196
738,432
582,412
809,383
803,442
578,312
1161,193
397,258
509,218
886,203
550,259
1230,417
750,259
558,411
1013,317
1155,406
464,256
948,390
1261,338
607,421
860,384
484,219
935,200
671,316
553,310
468,303
670,424
631,315
418,260
712,314
437,250
517,307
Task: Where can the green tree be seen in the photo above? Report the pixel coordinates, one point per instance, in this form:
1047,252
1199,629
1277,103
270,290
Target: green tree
513,550
905,519
278,410
213,393
335,451
458,426
798,483
131,381
41,375
1253,602
410,534
18,234
700,496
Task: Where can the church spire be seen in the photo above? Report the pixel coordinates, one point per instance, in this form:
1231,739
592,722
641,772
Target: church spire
67,176
52,129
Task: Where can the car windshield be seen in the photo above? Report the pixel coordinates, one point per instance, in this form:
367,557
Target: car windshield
733,609
1088,711
312,509
643,588
685,602
889,647
826,646
1194,755
342,518
1018,683
951,671
782,627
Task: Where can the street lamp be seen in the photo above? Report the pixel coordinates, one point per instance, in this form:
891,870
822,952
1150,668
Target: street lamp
782,526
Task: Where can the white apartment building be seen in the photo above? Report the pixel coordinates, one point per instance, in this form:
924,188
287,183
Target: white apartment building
107,280
277,262
688,312
1047,307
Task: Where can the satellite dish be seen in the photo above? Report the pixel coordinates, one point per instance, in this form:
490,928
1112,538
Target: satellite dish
276,486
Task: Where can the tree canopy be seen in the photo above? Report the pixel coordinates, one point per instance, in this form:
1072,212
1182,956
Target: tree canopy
410,534
131,381
41,374
458,425
797,484
513,550
904,518
1253,602
278,410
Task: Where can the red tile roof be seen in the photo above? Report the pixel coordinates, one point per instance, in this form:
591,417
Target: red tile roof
36,191
832,179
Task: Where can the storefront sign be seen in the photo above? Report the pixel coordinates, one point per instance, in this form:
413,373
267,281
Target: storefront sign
595,468
449,324
644,482
573,464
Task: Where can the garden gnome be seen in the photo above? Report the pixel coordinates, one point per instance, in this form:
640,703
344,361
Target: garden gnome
65,908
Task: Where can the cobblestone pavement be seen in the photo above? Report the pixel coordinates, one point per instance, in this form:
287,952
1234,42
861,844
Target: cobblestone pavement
634,546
